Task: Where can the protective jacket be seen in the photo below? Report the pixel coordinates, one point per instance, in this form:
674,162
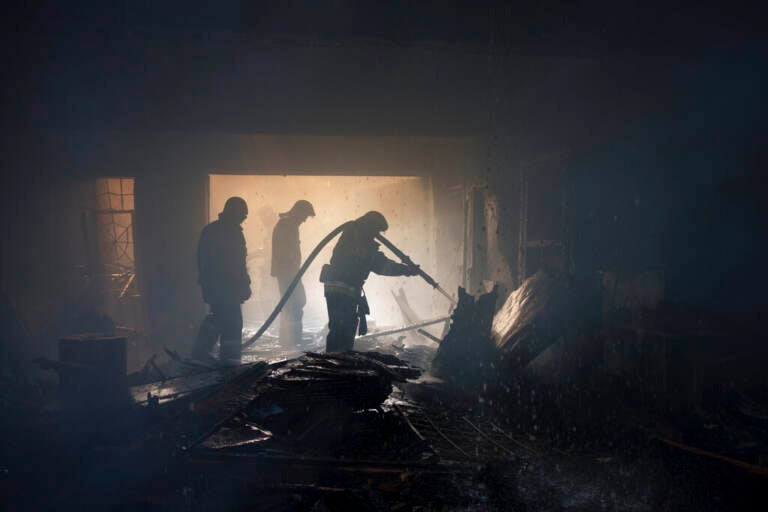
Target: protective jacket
222,272
355,256
286,250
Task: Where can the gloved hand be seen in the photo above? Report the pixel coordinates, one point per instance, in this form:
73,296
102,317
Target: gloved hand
412,270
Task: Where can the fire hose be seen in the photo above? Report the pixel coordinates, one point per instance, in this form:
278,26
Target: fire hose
319,247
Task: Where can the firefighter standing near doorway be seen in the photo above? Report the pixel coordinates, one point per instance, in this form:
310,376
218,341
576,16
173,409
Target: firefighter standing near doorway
286,261
356,255
225,283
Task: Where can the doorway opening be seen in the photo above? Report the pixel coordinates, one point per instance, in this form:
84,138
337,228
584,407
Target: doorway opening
406,202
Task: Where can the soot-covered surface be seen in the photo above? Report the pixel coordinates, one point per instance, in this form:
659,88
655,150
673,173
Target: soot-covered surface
361,431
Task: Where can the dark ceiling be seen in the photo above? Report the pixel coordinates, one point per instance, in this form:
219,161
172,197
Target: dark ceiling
560,27
233,65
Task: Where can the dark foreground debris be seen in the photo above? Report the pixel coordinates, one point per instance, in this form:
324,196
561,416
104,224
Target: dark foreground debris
368,430
467,356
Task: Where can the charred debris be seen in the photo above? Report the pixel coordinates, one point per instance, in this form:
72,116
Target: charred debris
526,403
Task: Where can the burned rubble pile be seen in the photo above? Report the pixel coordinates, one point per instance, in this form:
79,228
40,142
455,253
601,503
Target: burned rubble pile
302,425
222,437
335,430
316,403
419,355
370,431
467,356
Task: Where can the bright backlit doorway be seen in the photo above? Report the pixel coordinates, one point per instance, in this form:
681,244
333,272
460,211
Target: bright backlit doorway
405,201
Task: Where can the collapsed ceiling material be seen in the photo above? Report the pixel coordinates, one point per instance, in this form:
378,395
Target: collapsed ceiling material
533,317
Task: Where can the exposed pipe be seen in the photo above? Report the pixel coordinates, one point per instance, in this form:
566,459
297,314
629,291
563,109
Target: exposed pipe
406,328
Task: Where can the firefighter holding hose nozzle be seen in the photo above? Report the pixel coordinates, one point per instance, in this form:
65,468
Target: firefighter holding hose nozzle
355,256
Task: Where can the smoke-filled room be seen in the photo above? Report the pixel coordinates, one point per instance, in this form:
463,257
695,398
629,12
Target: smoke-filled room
399,256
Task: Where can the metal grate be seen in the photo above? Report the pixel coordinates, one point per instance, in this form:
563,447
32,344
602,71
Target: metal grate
114,215
459,438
